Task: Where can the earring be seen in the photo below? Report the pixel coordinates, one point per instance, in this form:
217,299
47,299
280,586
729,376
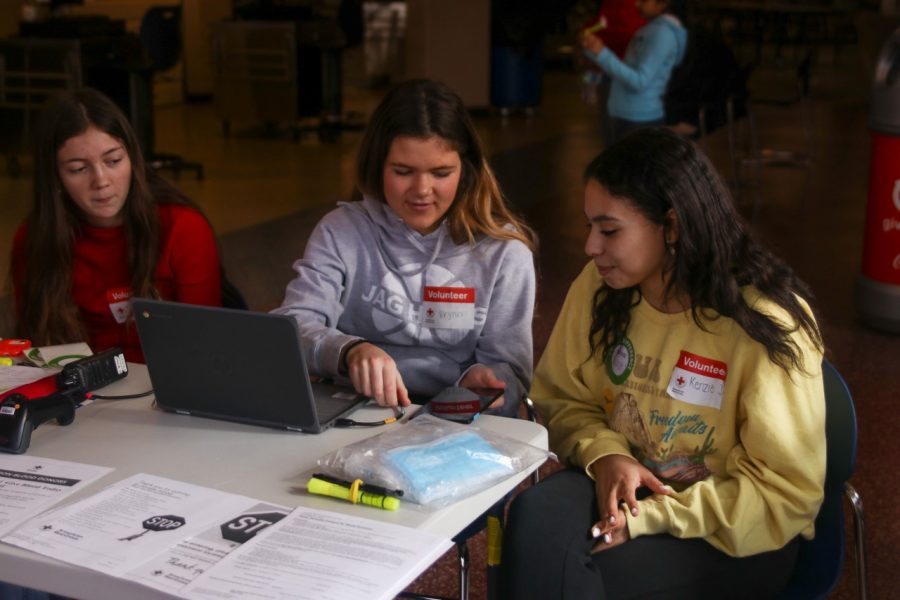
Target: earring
672,249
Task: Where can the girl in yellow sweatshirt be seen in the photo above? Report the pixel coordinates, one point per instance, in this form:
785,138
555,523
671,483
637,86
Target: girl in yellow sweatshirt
682,385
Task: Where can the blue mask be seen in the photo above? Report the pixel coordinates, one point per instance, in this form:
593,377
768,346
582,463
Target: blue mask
457,465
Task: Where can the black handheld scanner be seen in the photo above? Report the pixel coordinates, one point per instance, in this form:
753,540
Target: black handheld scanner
20,416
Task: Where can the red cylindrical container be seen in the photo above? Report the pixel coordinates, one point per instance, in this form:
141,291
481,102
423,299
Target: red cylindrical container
881,252
878,287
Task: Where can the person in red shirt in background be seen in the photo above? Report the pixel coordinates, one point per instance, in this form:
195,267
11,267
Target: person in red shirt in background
103,227
615,23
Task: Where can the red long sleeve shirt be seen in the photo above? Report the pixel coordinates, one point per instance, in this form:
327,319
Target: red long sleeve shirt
187,271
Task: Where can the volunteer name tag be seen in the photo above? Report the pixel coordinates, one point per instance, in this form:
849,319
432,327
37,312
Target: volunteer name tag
448,307
698,380
119,303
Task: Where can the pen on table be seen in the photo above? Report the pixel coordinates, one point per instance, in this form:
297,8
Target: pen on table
365,487
355,491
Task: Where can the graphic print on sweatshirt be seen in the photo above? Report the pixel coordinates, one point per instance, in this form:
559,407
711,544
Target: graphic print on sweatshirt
653,436
431,308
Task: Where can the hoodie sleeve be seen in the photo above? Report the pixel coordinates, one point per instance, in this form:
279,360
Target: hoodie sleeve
505,344
315,298
658,46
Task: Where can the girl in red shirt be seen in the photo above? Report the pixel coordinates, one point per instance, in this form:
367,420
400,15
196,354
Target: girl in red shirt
103,228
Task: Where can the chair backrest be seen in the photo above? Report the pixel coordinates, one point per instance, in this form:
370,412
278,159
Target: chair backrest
231,295
161,36
840,428
821,559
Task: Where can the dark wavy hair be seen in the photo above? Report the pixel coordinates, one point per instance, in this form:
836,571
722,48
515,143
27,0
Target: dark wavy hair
715,255
422,108
47,314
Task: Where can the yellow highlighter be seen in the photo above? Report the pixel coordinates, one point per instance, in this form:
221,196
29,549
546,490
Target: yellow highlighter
356,492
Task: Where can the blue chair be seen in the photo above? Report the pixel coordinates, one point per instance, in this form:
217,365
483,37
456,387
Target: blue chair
821,559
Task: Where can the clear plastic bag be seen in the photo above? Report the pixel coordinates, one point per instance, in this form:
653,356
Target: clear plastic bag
434,461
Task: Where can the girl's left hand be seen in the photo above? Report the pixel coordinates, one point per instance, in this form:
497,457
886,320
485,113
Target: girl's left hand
609,535
481,376
591,43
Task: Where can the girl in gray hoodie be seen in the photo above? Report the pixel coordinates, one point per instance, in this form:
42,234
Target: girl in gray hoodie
426,279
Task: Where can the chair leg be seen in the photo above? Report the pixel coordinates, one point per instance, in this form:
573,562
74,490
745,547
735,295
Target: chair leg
860,535
463,549
531,410
494,535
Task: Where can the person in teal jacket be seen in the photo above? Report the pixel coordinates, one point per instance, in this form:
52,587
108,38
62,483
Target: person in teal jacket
639,82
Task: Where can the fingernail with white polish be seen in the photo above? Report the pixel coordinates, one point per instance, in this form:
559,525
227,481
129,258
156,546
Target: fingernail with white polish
607,538
612,519
595,532
634,511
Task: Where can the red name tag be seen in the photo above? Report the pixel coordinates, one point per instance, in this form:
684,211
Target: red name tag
698,380
449,294
119,305
702,365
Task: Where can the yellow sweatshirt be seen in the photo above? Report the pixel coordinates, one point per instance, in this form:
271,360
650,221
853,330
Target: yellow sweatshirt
741,440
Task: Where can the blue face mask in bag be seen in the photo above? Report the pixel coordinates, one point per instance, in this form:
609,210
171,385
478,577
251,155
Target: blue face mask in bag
455,465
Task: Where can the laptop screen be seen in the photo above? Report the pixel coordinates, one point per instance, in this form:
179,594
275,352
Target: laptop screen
231,364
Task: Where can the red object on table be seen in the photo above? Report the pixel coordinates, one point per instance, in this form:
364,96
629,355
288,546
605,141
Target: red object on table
14,347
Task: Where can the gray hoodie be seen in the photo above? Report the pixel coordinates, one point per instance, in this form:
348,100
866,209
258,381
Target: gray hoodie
435,307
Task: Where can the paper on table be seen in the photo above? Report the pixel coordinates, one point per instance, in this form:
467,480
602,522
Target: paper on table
316,555
59,355
174,568
29,485
16,375
117,529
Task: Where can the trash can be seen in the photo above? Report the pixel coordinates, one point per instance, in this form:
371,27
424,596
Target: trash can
878,287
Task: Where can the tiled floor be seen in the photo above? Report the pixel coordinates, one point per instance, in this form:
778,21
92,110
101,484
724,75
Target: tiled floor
263,193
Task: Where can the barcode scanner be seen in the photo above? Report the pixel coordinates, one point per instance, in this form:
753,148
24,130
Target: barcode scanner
20,414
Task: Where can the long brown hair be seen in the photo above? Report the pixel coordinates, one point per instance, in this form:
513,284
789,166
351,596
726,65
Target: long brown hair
421,108
714,254
47,314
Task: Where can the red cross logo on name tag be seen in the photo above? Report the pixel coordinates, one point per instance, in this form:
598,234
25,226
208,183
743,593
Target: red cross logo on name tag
449,307
119,300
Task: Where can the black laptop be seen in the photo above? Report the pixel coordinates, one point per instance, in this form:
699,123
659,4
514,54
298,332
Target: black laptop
236,365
